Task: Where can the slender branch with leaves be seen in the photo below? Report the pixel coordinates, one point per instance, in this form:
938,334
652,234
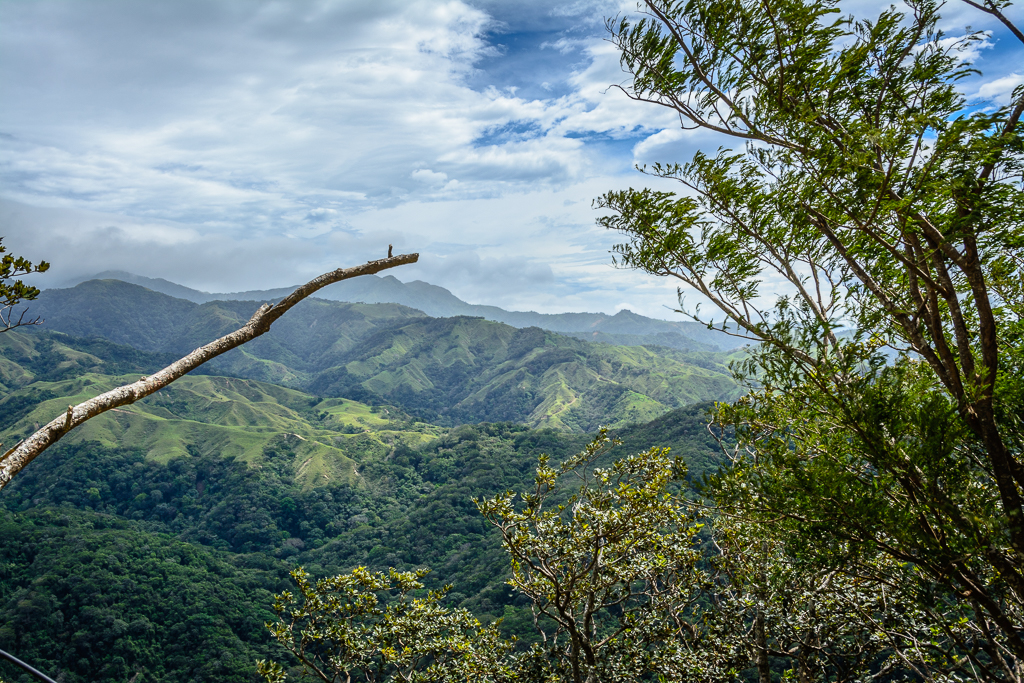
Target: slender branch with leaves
609,564
13,293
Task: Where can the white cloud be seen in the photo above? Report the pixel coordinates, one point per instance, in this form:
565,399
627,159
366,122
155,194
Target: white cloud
1000,90
966,50
429,177
530,251
551,159
649,145
599,107
564,45
220,143
278,112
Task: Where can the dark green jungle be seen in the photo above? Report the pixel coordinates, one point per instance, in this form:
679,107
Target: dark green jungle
148,545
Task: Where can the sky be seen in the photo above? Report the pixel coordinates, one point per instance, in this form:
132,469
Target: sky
232,145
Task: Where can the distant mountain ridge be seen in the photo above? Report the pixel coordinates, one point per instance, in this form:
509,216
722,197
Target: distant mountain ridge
454,370
623,328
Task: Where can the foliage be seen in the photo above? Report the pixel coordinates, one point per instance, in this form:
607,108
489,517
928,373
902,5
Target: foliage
685,431
342,628
861,501
441,528
775,613
885,204
611,572
208,500
625,584
90,597
13,293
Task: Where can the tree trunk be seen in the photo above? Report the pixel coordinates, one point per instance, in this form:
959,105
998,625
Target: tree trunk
764,672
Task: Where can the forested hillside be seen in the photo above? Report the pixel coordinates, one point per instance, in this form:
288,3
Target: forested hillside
100,541
148,543
91,597
444,370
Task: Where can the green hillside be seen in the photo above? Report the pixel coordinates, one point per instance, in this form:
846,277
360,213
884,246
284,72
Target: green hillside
92,598
40,355
443,370
466,370
138,317
158,531
428,367
228,417
625,327
112,563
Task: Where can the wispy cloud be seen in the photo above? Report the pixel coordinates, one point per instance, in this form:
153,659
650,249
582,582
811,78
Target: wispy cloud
999,90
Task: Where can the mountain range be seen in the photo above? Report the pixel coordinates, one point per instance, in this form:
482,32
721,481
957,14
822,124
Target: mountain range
147,545
623,328
446,371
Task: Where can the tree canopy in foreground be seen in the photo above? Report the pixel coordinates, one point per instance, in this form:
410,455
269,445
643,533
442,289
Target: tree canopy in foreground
882,432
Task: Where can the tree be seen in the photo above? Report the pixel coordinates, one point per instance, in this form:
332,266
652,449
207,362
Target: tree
365,625
611,570
15,459
892,212
625,585
13,293
775,612
630,581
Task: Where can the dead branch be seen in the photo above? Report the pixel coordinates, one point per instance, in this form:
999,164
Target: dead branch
14,460
7,322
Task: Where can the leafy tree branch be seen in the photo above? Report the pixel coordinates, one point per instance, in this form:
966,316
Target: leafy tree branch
892,214
13,293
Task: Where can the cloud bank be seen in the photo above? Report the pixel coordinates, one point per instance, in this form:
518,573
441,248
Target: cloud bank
234,144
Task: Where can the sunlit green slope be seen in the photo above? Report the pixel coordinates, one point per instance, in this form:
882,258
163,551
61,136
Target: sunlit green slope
464,370
204,415
443,370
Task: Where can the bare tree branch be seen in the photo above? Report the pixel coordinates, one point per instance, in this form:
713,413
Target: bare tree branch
7,323
14,460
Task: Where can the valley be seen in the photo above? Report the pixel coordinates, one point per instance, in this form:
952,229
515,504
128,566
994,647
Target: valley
352,434
446,371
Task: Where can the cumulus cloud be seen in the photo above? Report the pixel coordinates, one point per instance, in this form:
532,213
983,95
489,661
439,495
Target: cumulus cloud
429,177
240,145
1000,90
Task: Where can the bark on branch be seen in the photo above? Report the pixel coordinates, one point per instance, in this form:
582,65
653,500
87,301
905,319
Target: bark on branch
14,460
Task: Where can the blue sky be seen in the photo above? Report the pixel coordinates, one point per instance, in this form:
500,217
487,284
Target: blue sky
253,144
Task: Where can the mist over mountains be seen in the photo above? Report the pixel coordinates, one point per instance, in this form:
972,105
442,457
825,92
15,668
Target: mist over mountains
623,328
